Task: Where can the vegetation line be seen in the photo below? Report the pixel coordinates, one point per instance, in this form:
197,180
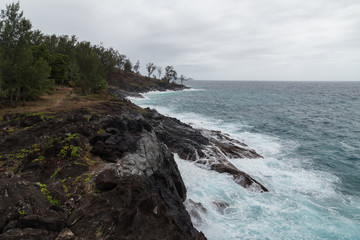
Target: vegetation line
32,63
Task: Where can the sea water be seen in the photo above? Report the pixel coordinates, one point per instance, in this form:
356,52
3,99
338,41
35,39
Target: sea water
309,136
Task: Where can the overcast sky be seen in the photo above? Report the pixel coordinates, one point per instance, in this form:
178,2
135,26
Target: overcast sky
217,39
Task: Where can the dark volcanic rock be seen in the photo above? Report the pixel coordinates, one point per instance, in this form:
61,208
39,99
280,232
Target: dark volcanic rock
179,137
222,145
146,189
129,211
105,151
53,223
28,234
240,177
120,137
211,148
23,207
200,236
99,174
107,180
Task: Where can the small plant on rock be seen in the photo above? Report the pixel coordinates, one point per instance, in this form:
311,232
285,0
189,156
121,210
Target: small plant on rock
22,213
47,194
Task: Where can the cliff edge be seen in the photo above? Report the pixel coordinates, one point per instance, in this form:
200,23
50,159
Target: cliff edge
98,172
104,169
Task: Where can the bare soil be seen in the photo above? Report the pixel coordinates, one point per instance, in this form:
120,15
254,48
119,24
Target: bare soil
63,99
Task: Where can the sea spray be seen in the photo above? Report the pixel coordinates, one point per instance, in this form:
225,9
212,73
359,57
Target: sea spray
304,163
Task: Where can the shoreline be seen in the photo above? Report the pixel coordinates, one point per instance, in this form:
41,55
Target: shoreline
107,158
95,153
213,151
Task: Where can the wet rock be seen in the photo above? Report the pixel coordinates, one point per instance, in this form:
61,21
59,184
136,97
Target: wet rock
198,205
223,145
210,148
220,206
240,177
196,209
179,137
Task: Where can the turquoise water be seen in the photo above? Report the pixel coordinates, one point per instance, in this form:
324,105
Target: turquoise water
309,135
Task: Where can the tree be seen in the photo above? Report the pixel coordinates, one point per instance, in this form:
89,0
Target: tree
137,67
37,37
107,58
120,60
91,72
60,69
170,73
35,80
14,40
159,71
128,65
40,51
150,67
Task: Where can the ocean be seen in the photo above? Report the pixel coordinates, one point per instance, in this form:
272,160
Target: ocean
309,136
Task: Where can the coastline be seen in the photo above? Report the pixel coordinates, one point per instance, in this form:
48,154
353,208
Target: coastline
209,148
65,176
102,165
255,114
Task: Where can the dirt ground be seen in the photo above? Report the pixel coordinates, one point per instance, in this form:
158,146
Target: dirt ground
63,98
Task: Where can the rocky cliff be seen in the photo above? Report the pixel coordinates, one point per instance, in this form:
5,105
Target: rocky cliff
104,172
94,173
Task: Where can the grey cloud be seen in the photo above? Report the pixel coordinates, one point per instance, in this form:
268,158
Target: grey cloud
218,39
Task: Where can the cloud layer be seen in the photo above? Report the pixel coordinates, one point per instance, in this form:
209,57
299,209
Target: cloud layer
218,39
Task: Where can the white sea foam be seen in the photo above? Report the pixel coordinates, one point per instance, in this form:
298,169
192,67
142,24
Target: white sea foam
295,207
302,203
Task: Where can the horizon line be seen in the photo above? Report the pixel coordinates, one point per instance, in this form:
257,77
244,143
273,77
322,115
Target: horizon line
257,80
